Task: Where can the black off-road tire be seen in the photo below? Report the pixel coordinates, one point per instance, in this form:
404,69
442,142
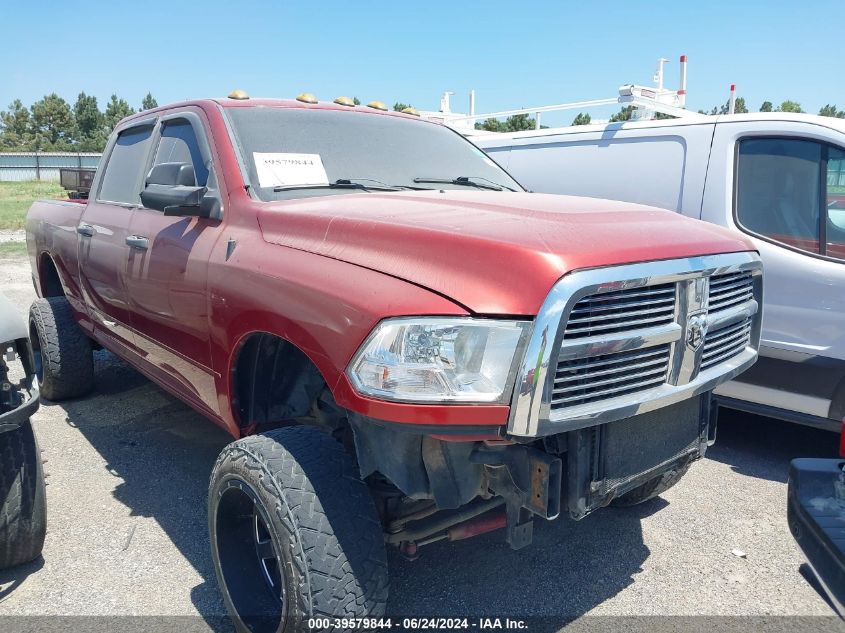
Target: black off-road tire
23,504
651,489
63,352
327,543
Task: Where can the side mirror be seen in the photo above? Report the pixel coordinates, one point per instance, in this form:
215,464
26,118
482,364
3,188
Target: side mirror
172,188
172,174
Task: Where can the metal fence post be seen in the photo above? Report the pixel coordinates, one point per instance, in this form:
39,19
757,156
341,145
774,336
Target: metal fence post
37,167
79,160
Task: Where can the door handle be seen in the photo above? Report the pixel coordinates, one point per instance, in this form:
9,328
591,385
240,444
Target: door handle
86,230
138,241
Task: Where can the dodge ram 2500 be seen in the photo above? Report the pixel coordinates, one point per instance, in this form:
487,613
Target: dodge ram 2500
406,345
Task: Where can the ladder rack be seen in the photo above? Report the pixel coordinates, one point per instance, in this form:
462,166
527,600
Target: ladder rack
646,100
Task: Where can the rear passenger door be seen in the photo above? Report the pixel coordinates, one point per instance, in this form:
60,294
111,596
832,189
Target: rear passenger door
103,230
167,276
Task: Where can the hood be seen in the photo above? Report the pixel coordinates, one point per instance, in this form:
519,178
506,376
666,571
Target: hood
493,253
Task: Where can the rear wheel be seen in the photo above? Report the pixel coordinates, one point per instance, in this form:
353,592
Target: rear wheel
23,507
652,488
294,532
63,355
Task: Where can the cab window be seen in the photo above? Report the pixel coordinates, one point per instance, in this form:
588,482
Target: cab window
788,190
124,170
179,144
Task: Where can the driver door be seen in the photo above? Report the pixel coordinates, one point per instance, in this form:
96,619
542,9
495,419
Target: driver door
167,272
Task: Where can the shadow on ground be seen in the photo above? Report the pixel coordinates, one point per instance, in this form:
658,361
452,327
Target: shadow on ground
164,452
763,447
14,577
486,578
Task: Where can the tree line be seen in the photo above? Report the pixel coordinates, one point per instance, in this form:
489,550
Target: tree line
51,124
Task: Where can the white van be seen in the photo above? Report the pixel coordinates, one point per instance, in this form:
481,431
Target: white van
777,177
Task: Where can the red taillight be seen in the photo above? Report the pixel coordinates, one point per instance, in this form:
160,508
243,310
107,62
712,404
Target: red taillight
842,439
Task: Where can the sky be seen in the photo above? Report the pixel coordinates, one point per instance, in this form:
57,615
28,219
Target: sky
513,54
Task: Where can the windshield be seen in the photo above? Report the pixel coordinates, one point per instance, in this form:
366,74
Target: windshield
294,153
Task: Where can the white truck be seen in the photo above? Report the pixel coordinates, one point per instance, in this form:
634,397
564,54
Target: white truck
778,178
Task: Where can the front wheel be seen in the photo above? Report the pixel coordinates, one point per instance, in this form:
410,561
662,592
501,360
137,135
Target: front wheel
23,504
294,532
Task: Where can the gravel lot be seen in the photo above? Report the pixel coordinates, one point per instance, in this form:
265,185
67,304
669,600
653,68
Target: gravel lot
128,469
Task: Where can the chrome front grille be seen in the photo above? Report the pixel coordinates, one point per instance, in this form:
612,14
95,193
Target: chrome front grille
585,380
725,343
730,290
622,310
613,342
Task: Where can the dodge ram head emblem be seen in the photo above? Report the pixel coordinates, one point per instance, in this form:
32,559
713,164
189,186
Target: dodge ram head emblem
696,330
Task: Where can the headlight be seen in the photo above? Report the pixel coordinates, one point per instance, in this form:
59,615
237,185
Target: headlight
438,359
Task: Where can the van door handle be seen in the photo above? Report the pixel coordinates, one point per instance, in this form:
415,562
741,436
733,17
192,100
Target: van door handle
86,230
138,241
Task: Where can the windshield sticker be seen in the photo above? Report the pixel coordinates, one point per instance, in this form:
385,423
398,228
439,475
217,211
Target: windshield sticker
282,170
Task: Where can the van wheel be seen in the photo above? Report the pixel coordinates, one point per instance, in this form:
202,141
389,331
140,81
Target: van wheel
23,505
64,358
294,532
652,488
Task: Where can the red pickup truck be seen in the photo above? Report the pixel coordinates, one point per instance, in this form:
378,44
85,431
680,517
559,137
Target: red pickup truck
406,345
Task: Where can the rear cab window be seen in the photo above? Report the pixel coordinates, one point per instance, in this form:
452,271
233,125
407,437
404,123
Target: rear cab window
792,192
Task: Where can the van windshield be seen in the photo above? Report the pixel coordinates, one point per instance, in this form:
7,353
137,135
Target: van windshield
295,153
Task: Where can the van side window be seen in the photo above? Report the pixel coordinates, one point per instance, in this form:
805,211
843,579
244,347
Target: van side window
835,198
124,170
777,193
179,145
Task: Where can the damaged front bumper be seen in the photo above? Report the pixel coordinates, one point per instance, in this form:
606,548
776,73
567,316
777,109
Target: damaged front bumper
490,485
12,420
19,397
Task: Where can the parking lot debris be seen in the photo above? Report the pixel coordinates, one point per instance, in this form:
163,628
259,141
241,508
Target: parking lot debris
739,553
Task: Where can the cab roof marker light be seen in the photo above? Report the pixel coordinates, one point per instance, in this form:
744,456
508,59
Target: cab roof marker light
237,93
377,105
306,97
411,111
344,101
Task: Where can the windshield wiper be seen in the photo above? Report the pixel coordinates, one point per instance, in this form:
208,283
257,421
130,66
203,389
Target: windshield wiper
468,181
344,183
